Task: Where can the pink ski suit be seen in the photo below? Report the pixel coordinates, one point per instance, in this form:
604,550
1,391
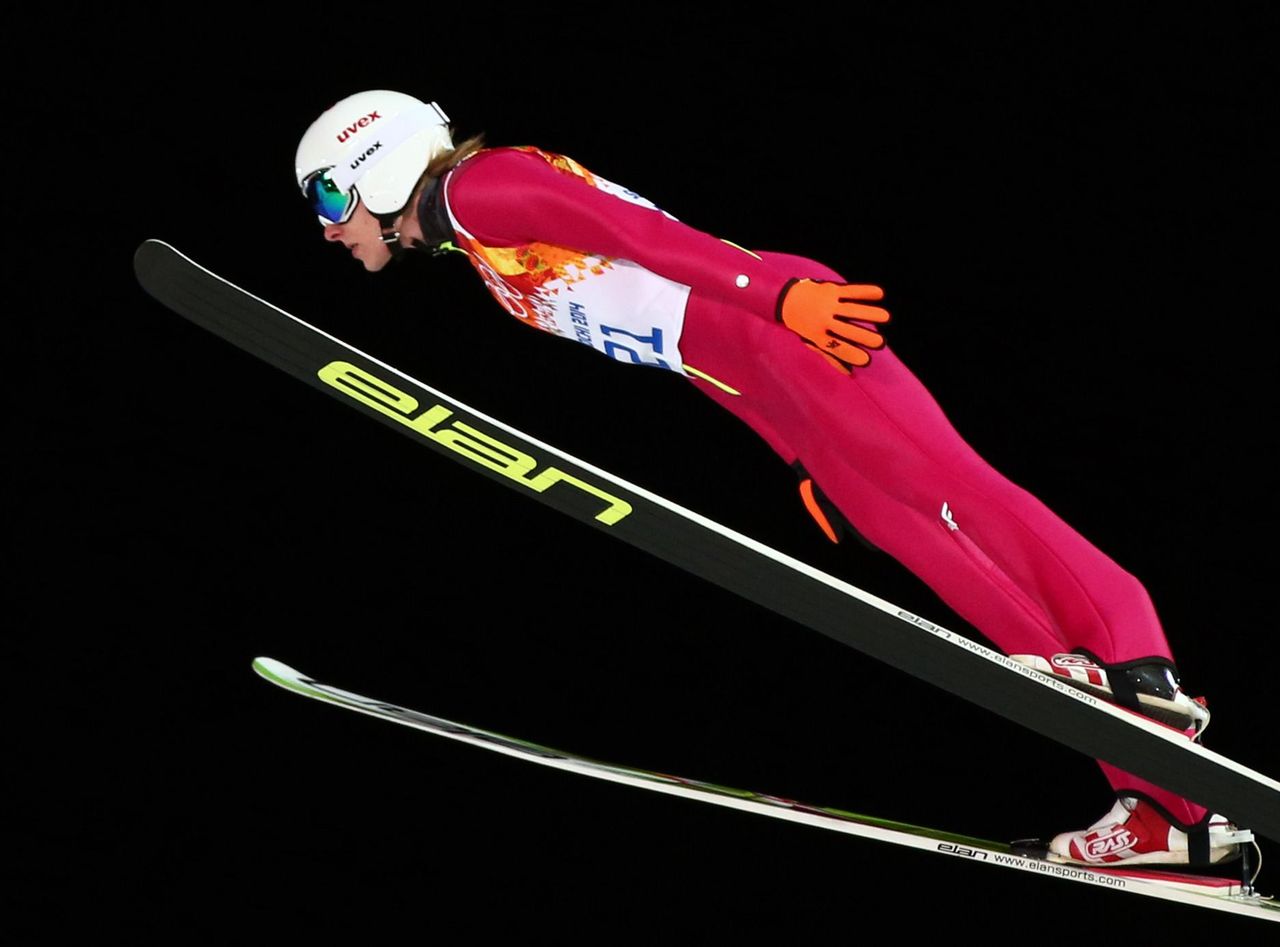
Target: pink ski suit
579,256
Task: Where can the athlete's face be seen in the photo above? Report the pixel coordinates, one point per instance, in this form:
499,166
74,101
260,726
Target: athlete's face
362,235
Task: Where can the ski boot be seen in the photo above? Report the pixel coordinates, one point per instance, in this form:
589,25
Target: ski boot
1148,685
1137,832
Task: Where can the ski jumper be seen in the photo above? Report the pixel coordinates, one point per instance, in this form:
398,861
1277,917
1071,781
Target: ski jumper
581,257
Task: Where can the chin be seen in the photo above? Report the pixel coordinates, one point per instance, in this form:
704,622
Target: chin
381,256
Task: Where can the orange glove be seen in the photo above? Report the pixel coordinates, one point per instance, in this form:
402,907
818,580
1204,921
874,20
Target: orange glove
824,313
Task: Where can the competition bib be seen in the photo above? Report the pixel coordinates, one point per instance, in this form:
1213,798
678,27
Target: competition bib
617,307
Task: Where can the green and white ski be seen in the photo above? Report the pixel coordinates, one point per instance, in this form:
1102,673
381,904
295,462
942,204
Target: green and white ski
1219,894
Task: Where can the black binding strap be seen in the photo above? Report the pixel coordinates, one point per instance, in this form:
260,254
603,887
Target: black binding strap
1122,689
1197,834
1124,685
1198,844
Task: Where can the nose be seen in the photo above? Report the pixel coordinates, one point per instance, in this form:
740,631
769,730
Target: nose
333,232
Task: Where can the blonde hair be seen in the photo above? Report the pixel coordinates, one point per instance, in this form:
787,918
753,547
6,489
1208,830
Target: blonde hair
438,165
450,159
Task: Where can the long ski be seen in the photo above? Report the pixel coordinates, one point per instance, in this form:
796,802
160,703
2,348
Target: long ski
705,548
1220,894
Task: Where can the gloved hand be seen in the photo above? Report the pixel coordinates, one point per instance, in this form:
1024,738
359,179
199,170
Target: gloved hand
823,313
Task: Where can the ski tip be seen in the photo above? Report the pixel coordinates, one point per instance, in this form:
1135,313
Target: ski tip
145,257
150,245
272,670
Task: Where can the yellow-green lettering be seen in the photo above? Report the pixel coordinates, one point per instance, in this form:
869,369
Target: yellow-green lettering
461,438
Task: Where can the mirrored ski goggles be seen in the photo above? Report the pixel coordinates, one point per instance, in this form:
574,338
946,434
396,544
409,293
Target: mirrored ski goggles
331,203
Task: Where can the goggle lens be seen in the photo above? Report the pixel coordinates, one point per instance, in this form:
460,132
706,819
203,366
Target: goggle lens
330,204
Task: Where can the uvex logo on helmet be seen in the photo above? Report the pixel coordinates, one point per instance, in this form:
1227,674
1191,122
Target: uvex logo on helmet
356,126
361,159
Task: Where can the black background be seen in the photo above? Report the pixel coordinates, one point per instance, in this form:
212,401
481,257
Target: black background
1067,215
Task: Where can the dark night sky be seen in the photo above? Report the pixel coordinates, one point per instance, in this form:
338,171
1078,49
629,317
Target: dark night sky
1067,219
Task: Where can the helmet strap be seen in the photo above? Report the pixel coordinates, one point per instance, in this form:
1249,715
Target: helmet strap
433,220
391,234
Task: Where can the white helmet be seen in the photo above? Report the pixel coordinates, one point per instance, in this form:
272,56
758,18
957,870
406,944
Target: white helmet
370,147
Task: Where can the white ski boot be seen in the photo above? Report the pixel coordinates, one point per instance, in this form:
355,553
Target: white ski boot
1135,832
1152,683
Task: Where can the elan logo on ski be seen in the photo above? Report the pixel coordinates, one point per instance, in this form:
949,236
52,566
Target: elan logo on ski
951,849
461,438
352,129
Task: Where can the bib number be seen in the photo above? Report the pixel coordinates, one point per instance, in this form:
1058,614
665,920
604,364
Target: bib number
638,350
